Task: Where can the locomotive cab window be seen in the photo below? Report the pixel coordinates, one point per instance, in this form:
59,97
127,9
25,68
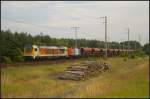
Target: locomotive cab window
35,49
28,48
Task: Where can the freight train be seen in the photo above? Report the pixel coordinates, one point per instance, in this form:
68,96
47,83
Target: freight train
35,52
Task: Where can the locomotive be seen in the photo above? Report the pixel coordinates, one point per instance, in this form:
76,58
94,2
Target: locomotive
36,52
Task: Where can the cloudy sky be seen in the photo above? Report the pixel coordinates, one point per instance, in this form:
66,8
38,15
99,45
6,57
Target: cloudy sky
56,18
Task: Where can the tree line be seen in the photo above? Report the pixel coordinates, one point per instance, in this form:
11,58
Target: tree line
12,44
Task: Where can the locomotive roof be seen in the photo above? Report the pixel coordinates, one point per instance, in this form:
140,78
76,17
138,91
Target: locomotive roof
48,46
62,47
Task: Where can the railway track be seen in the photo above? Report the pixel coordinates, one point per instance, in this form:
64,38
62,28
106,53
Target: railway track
43,62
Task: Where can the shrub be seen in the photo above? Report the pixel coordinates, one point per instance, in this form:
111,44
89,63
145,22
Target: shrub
6,60
140,53
18,58
104,57
123,55
132,56
146,48
125,59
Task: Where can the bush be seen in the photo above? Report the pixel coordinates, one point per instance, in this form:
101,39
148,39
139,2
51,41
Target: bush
18,59
140,53
123,55
125,59
104,57
16,55
6,60
132,56
146,48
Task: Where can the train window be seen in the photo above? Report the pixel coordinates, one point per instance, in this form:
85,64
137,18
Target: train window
35,49
28,48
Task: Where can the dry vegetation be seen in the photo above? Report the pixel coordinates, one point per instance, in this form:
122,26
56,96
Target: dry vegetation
127,79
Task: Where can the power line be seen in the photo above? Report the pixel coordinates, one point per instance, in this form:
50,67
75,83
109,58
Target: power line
128,39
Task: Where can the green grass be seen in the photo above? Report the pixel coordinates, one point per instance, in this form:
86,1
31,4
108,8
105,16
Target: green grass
127,79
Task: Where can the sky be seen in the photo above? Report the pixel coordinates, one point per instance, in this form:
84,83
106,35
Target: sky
55,18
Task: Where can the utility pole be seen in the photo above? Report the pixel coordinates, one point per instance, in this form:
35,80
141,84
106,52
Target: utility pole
139,38
76,43
41,36
123,46
128,39
135,43
122,43
105,34
119,45
147,40
108,44
128,46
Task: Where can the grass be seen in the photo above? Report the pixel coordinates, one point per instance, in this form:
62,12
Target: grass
39,81
128,78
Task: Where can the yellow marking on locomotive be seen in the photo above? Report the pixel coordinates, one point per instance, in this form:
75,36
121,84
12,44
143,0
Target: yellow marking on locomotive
29,53
33,51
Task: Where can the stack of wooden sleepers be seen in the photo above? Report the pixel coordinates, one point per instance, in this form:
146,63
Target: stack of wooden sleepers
83,70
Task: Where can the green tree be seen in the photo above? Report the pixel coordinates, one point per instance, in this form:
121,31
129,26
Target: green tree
146,48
